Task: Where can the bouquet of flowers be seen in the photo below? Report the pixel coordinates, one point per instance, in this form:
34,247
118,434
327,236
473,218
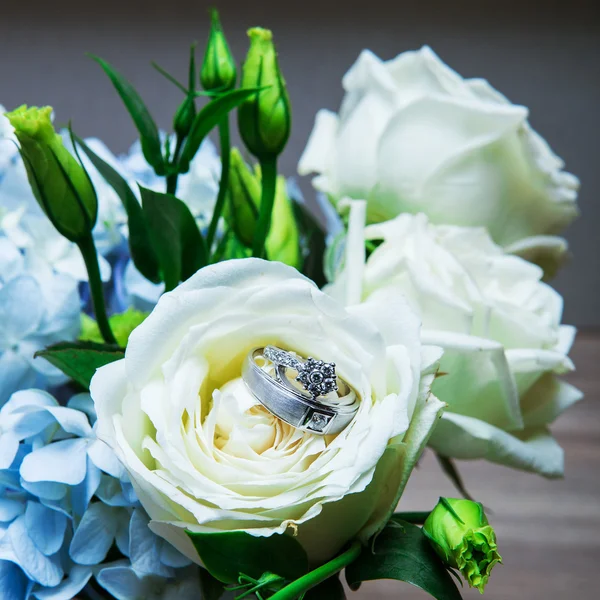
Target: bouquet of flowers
206,391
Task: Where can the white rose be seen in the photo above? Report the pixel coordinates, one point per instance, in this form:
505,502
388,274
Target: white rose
499,326
204,455
414,136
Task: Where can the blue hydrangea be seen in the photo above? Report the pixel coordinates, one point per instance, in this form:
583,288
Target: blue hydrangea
68,513
38,307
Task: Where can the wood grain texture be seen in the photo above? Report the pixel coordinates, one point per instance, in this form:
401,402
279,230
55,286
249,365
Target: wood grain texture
548,530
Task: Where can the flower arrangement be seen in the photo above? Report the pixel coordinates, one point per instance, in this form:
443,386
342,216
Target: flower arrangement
205,391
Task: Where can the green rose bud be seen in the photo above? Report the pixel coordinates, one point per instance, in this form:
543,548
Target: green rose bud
243,204
184,117
461,535
264,119
60,184
218,69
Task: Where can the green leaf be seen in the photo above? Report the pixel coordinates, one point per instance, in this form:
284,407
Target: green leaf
228,554
79,360
142,252
140,114
401,551
452,473
208,118
416,517
330,589
212,589
312,242
121,325
178,243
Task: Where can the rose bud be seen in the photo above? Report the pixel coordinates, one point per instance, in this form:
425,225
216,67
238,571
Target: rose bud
218,70
264,119
244,197
461,535
60,184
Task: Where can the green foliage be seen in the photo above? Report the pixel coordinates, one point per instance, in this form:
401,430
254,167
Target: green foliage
402,552
207,119
312,244
227,555
140,114
79,360
242,214
121,325
176,239
140,245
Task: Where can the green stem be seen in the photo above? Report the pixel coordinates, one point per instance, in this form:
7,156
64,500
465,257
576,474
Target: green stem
90,258
268,168
224,183
301,586
173,177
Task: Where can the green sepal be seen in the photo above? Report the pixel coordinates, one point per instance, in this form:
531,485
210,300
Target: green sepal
207,119
177,241
121,325
140,114
79,360
401,551
452,472
227,555
140,246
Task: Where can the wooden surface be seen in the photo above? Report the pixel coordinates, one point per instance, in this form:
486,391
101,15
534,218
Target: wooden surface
548,531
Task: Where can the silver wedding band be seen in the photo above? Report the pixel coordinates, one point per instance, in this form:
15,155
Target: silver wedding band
325,405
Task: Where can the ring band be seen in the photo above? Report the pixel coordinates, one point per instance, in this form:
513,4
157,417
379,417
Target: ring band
305,410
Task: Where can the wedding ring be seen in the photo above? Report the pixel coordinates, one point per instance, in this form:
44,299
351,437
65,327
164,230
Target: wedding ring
315,400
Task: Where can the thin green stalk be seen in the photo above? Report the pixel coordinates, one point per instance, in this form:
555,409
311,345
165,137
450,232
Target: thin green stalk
268,168
173,177
223,184
301,586
90,258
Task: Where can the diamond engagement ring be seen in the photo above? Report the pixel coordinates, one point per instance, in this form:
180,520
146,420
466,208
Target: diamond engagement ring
314,400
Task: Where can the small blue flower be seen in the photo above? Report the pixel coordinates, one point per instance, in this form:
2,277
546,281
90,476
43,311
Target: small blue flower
37,308
69,513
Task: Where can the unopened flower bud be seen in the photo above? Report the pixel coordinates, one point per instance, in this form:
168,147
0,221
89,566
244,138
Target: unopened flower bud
218,70
60,184
462,537
265,118
184,117
244,197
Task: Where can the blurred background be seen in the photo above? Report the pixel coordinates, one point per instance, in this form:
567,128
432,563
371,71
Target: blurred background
542,54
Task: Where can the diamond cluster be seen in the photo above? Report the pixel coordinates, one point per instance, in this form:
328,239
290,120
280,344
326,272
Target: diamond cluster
317,377
281,357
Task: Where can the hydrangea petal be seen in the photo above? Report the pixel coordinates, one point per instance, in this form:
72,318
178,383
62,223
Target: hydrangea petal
46,527
62,462
69,587
38,567
94,535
